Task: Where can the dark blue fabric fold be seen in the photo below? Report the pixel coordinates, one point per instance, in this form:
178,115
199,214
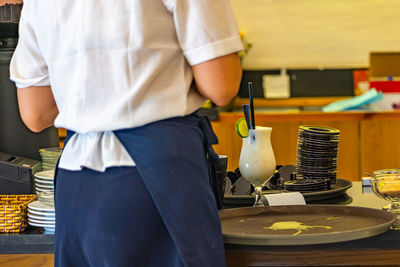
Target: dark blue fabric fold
109,219
175,159
211,139
170,156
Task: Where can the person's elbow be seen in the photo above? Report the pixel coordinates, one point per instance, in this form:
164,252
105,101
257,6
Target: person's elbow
219,79
37,107
223,101
226,95
34,121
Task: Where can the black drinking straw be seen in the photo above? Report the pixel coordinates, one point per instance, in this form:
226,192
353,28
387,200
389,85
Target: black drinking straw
246,111
253,122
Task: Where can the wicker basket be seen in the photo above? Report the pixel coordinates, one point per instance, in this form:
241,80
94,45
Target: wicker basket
13,212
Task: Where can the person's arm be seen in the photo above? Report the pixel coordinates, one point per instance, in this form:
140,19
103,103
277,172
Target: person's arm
37,107
219,79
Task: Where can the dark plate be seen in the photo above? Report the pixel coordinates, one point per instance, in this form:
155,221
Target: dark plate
302,224
337,189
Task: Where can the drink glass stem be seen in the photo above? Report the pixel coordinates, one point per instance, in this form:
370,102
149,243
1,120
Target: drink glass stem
258,202
395,209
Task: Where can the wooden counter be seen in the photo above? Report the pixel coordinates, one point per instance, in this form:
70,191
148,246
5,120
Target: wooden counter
381,250
369,140
31,260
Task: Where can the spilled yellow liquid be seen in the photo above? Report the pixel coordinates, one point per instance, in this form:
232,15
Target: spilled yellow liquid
293,225
333,218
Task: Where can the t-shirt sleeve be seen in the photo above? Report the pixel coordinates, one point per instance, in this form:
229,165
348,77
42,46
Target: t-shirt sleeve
206,29
28,66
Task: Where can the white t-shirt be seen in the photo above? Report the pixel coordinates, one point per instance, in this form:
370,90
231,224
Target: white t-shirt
118,64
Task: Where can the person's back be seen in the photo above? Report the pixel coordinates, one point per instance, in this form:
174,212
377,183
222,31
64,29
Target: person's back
125,78
132,57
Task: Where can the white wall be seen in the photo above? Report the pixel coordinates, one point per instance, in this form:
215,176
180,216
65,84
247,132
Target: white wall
317,33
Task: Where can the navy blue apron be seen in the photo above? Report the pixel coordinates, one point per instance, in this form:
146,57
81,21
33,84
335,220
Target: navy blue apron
174,187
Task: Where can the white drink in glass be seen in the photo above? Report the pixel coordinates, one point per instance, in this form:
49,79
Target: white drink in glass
257,160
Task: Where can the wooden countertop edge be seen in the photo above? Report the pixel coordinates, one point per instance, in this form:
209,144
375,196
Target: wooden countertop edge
351,257
312,116
359,257
289,102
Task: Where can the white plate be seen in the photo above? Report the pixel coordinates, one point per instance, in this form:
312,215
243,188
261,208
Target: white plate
46,197
42,218
41,186
43,214
44,223
45,175
43,190
40,189
41,206
41,181
52,227
44,185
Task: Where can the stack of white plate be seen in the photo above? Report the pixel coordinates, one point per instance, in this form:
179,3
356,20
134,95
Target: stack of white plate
44,181
41,213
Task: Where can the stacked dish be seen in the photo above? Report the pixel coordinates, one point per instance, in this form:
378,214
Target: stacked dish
317,148
308,185
49,157
44,181
41,213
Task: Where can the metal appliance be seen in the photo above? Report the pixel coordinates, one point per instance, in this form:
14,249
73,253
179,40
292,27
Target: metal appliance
16,174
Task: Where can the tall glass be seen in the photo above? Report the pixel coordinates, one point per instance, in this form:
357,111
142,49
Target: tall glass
257,160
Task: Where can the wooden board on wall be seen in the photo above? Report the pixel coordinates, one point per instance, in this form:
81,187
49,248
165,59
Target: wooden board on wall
369,140
380,145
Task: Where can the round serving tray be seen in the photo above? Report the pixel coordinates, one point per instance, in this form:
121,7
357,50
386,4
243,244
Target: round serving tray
316,224
337,189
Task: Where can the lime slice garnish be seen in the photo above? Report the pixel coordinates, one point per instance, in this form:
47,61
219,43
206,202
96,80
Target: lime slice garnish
241,128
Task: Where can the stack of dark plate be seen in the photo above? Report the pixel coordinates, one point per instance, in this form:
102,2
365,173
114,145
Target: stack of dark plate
306,186
317,148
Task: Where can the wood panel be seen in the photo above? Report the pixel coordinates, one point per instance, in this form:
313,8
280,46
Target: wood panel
27,260
380,145
304,257
369,140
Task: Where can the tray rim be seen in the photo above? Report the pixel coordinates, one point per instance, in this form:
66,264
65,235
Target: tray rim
312,196
309,239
